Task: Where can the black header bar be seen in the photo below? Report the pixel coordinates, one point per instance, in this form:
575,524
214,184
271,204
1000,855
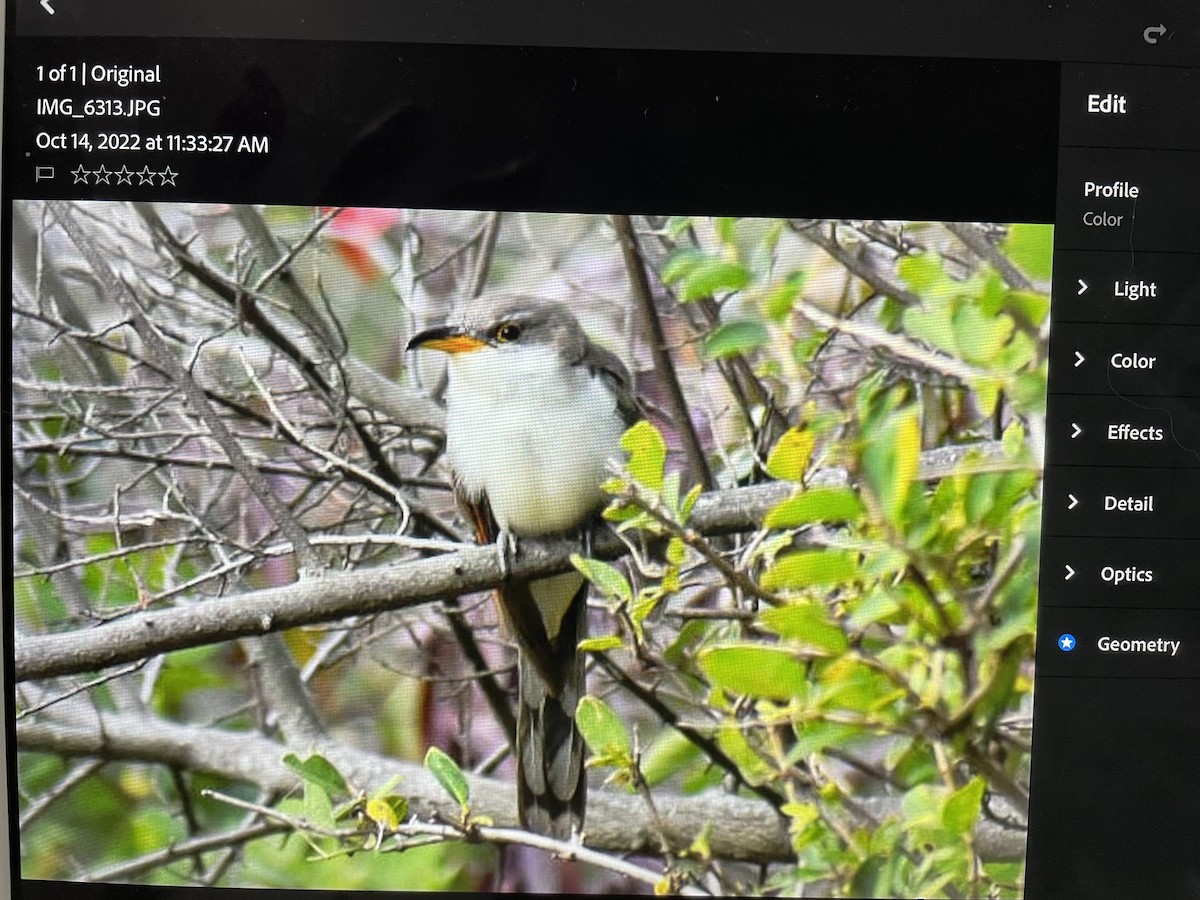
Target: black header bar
537,129
1097,31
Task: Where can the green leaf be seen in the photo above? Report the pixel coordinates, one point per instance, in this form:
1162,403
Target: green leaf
680,263
782,297
448,775
647,454
810,568
816,505
756,670
1028,307
603,729
962,807
599,644
807,624
791,454
877,605
734,339
978,337
1031,249
712,275
726,229
667,754
320,771
318,808
890,460
753,767
923,273
607,579
817,737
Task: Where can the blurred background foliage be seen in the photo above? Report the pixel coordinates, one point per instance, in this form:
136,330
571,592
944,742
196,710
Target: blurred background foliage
870,641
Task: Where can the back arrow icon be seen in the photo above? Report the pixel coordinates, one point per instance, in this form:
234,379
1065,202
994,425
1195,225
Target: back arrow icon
45,4
1076,430
1074,501
1079,357
1083,286
1070,572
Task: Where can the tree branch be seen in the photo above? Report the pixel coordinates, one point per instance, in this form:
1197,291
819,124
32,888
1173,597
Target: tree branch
337,595
657,341
741,829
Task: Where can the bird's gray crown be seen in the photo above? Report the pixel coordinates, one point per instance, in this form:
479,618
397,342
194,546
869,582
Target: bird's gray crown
525,321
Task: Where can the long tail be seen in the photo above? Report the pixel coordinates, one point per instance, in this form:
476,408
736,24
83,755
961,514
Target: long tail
551,779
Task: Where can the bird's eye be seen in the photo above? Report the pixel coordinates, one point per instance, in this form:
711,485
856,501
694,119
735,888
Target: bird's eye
509,331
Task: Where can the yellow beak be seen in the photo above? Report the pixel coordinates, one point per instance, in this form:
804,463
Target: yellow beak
447,339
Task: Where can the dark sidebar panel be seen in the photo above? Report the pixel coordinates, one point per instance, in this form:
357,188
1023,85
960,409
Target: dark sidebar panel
1115,792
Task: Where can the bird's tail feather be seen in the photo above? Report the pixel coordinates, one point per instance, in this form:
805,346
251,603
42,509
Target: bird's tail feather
551,779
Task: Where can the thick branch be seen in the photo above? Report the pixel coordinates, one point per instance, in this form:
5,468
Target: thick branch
741,829
335,596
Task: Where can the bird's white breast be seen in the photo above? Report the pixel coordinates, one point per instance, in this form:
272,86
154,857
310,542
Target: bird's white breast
532,434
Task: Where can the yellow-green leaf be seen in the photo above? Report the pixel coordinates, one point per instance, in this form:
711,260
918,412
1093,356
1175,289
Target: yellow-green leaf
647,454
388,811
816,505
810,568
608,579
603,729
791,454
962,807
807,624
1031,248
599,644
667,754
756,670
890,461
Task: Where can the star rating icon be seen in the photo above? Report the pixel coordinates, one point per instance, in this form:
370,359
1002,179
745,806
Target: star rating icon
1066,642
125,175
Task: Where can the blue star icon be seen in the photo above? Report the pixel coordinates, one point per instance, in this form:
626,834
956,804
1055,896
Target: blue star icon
1066,642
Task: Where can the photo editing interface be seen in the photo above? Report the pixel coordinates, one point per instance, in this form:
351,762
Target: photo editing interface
519,453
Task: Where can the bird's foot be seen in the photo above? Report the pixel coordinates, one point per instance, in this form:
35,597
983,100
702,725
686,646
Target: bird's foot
506,551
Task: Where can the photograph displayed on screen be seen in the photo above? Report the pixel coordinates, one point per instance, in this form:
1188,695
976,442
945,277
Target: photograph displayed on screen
475,550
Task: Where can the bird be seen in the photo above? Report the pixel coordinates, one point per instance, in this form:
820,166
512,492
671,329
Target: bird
535,412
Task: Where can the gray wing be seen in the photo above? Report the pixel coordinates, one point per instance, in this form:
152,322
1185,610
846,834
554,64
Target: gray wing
610,368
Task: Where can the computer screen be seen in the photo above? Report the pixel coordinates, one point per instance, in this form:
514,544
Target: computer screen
550,447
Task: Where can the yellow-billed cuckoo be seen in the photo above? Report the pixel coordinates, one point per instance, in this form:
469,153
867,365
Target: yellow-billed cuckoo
534,413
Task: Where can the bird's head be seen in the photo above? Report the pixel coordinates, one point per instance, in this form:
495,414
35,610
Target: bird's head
511,326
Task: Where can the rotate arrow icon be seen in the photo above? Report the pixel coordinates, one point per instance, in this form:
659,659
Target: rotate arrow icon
1074,501
1083,286
1079,358
1076,431
1070,573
